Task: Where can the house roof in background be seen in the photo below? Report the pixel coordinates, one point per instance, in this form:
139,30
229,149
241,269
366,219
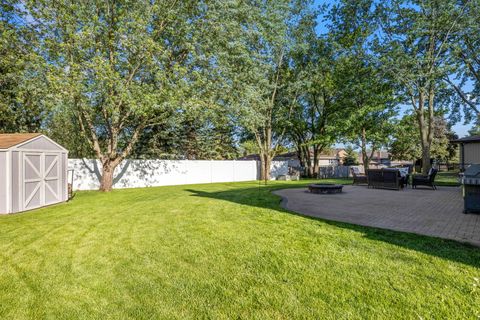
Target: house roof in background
377,154
467,139
8,140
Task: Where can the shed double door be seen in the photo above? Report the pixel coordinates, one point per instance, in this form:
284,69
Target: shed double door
41,179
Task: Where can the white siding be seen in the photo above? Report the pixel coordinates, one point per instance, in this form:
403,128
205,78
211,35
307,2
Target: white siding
472,153
4,183
40,143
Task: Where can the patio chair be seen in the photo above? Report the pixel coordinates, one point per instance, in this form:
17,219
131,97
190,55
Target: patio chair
405,173
428,180
358,178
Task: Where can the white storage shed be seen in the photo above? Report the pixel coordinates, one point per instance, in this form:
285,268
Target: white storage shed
33,172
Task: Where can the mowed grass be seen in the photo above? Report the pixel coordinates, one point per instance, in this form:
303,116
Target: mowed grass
222,251
447,178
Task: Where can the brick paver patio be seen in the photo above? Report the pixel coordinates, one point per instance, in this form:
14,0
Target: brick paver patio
422,211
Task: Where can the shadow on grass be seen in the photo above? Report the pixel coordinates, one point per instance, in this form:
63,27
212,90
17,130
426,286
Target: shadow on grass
263,198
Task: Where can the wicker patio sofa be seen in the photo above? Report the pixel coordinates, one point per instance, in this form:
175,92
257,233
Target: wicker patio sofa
384,179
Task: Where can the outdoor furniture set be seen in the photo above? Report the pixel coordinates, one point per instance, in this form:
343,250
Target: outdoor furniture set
392,178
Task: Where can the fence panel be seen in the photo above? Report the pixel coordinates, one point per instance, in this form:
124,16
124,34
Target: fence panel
150,173
326,172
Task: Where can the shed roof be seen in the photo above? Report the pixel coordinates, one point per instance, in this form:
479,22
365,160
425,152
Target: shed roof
8,140
467,139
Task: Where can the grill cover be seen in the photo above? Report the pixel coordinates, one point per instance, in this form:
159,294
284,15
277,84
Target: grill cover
471,175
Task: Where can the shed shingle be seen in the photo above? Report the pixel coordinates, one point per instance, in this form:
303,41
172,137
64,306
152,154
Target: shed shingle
8,140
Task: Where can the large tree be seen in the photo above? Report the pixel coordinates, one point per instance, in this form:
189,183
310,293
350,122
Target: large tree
315,114
414,43
368,106
365,94
465,60
257,68
122,66
22,81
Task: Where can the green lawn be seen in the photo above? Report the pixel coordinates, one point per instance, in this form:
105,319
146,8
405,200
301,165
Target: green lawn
449,178
222,251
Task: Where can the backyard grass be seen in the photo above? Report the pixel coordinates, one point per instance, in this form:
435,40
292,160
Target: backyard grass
222,251
447,178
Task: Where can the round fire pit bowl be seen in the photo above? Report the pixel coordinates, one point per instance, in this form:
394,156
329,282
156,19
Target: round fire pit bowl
325,188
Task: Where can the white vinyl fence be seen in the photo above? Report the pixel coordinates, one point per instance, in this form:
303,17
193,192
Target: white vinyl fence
150,173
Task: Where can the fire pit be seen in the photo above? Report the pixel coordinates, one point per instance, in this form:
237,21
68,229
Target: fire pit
325,188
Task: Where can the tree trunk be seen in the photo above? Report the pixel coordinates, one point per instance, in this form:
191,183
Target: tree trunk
425,160
425,148
308,162
265,162
366,161
431,128
315,162
365,158
106,181
301,159
425,143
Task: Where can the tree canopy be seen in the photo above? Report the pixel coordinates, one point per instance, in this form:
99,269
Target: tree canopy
217,79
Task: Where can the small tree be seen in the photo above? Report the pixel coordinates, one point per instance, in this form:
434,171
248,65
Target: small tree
351,157
403,147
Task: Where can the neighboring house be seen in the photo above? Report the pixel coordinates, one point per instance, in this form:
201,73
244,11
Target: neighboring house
379,158
469,150
333,158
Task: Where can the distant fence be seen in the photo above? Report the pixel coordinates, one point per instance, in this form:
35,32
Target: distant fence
448,166
334,171
150,173
326,172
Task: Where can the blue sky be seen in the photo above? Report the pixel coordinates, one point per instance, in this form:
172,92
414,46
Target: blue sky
459,128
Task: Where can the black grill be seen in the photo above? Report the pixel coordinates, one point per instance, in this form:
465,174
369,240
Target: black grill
471,189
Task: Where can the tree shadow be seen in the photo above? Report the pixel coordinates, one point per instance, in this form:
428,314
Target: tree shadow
262,197
129,173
